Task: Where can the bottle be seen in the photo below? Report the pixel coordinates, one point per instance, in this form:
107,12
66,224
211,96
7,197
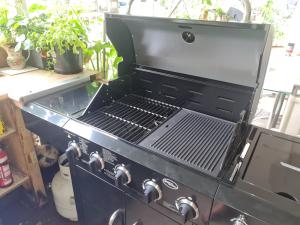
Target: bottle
2,127
5,172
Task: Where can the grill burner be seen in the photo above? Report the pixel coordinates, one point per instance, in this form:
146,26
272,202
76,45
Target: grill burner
194,139
131,118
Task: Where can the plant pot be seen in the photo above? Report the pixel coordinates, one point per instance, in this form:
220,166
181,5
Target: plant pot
68,63
3,56
15,60
40,60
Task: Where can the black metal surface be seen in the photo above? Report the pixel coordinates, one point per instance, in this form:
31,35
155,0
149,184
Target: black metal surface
194,139
205,185
71,102
249,197
96,199
131,118
158,43
47,124
218,99
275,166
139,173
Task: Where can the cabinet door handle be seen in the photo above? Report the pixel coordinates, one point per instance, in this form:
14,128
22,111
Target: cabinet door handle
115,215
240,220
139,222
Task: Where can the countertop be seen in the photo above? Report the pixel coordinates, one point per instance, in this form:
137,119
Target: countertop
24,87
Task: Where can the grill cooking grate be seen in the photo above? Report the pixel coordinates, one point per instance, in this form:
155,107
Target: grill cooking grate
194,139
131,118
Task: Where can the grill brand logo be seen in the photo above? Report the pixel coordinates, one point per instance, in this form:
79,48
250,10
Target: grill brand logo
170,184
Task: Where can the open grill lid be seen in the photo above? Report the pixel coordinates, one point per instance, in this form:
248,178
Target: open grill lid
229,52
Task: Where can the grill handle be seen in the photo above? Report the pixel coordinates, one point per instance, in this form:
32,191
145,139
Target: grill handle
240,220
115,215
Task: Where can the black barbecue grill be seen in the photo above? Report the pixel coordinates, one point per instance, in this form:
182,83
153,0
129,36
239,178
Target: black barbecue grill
188,108
193,139
153,146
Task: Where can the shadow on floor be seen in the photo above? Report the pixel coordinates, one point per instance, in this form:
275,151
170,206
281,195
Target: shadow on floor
17,209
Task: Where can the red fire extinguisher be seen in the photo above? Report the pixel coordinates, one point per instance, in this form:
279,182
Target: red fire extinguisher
5,173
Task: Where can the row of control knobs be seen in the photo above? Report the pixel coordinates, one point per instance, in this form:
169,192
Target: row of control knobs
152,191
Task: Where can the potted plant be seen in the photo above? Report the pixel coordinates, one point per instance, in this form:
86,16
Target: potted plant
13,39
65,39
37,22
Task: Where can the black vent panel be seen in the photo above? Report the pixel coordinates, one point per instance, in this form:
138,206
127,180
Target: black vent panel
194,139
132,117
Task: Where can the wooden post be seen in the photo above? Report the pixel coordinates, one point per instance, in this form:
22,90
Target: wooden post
31,161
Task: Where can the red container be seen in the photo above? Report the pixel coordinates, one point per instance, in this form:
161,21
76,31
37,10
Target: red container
5,173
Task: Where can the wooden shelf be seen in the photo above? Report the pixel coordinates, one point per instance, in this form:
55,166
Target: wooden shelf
19,179
7,133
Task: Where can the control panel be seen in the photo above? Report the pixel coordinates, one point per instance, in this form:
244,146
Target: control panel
154,189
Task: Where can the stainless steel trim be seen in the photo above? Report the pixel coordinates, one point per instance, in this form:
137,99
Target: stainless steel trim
234,172
78,80
155,185
245,150
184,200
123,168
114,216
99,158
289,166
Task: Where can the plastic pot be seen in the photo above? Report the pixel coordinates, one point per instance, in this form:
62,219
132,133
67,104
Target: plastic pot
40,60
68,63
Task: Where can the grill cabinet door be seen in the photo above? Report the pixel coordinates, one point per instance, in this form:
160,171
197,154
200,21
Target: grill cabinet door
97,200
138,213
224,215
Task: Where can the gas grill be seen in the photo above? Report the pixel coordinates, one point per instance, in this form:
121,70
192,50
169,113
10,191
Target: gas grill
152,146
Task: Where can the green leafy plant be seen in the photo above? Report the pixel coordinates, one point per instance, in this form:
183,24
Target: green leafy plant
272,15
13,31
20,31
106,58
37,23
63,31
6,35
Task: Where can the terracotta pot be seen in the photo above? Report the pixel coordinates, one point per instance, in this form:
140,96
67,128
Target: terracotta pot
15,60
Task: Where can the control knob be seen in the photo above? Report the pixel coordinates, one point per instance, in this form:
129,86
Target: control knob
73,151
96,162
187,208
152,191
122,175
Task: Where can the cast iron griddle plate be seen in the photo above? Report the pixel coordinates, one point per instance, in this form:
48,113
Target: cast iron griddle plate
194,139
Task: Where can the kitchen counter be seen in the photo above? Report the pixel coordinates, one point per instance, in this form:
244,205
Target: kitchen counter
28,86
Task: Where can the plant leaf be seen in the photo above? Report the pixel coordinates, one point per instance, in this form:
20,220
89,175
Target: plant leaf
36,7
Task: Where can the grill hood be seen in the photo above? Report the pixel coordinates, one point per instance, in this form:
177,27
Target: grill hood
228,52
